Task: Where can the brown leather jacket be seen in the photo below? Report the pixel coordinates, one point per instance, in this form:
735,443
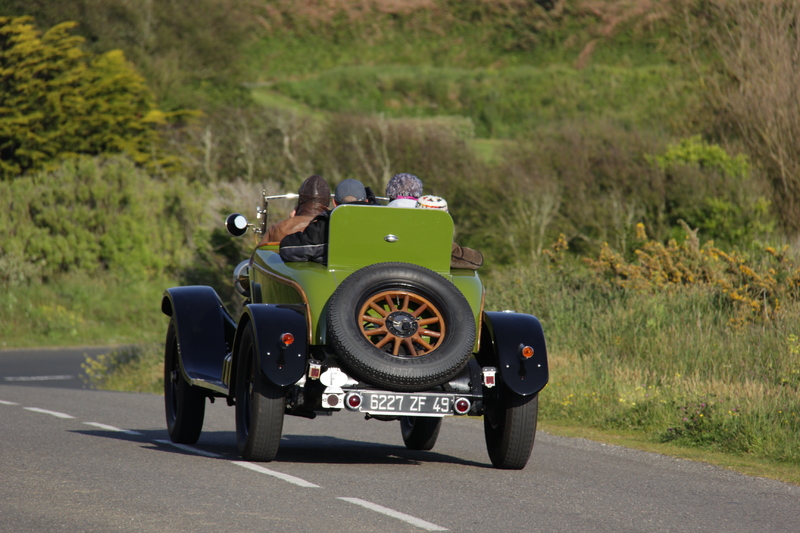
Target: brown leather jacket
305,213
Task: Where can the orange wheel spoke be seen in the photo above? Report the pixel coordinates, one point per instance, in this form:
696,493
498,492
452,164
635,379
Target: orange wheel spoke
421,341
410,346
378,331
406,309
420,310
384,341
383,312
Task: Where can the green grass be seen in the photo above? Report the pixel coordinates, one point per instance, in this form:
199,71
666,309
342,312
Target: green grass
494,99
668,365
81,310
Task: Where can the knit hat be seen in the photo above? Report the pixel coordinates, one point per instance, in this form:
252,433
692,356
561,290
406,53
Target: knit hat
404,185
314,189
432,202
350,191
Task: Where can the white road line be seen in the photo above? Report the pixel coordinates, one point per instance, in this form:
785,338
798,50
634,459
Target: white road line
3,402
112,428
38,378
188,448
45,411
286,477
414,521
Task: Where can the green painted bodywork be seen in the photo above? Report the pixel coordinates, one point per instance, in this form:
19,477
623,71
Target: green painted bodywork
358,237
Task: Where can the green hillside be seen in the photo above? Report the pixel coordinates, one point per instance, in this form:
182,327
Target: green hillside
628,168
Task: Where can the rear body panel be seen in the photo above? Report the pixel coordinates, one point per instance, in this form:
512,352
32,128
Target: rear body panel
361,236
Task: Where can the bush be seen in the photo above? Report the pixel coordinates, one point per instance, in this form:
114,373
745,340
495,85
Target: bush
94,214
752,90
136,368
692,362
58,101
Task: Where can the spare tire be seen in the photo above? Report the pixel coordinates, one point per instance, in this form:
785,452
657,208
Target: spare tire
400,327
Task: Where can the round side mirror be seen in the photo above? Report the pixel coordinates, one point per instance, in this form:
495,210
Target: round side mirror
236,224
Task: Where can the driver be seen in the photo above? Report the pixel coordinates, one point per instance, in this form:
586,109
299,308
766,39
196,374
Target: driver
314,199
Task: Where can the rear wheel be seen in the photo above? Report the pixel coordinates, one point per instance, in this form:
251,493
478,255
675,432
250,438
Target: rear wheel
509,424
420,432
260,406
184,404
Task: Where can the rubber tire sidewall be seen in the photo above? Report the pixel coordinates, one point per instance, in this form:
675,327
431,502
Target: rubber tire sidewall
408,374
420,432
184,404
509,424
259,415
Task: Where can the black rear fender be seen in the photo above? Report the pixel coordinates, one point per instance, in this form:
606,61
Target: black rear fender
280,363
503,336
204,328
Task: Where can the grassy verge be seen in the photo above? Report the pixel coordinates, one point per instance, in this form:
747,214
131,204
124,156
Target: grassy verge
82,310
698,364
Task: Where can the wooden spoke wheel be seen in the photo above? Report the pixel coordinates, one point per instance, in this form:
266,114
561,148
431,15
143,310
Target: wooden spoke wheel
400,327
402,323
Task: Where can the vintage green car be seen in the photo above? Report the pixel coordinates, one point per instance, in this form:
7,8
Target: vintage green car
386,329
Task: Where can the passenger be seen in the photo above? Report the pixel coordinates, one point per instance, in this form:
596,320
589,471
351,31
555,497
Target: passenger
311,244
314,199
460,256
403,190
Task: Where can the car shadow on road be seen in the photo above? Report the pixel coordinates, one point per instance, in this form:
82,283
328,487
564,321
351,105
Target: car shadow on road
309,449
333,450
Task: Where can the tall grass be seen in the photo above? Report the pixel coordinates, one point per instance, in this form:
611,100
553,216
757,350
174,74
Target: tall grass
676,362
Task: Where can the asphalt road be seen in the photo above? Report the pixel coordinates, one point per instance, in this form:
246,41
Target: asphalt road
84,461
43,367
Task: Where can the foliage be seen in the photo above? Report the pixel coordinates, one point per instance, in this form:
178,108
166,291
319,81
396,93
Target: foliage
753,289
57,101
136,368
93,214
180,46
80,309
752,90
675,362
729,205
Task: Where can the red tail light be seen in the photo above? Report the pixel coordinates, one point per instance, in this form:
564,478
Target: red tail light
353,401
462,406
287,339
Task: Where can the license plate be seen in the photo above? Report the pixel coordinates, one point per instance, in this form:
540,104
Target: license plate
405,403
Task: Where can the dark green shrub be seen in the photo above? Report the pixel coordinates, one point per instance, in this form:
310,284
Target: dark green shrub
91,214
57,101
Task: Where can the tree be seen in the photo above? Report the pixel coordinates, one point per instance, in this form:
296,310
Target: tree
57,101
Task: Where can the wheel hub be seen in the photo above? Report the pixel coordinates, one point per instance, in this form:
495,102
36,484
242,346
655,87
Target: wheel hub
401,324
